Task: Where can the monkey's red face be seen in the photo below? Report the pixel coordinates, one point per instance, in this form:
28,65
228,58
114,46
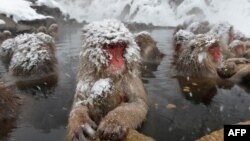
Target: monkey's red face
116,62
215,52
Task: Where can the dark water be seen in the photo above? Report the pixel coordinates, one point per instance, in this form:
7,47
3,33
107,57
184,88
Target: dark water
204,106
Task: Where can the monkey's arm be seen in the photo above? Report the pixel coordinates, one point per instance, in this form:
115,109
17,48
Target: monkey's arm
243,72
80,124
129,114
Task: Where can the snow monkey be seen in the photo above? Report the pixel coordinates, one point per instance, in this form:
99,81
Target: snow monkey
149,51
180,40
30,59
201,57
52,30
235,69
110,97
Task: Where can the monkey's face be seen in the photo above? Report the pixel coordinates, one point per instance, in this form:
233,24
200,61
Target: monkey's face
181,38
116,60
109,48
215,53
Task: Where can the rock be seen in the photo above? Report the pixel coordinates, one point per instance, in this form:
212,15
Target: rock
219,134
134,135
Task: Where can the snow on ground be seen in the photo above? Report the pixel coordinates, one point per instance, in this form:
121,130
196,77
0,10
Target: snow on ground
161,12
157,12
20,10
49,3
2,22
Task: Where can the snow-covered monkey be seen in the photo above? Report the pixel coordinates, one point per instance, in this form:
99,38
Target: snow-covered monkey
110,97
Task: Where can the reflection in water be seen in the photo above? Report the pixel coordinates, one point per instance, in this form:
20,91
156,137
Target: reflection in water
198,90
6,127
211,105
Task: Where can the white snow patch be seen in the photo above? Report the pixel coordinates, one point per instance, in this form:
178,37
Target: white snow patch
2,22
82,86
20,10
142,33
157,12
92,91
220,29
101,86
183,36
51,4
7,47
202,56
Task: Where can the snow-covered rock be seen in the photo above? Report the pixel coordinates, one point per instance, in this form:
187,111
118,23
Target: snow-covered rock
20,10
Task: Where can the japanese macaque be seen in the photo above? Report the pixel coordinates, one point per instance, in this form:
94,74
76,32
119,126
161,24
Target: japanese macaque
200,58
110,97
42,29
237,48
151,56
235,69
149,51
4,35
52,30
30,59
224,31
180,41
8,103
199,27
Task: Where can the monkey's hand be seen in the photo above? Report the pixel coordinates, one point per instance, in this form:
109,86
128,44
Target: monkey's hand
111,130
81,127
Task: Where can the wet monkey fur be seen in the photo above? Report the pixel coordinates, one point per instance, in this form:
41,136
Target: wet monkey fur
110,97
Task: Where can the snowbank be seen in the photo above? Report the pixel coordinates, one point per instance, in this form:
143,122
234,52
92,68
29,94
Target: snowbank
20,10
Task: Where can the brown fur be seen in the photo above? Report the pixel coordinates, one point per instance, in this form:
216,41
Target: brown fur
42,29
235,69
149,51
41,69
4,35
8,103
53,30
219,134
188,62
124,108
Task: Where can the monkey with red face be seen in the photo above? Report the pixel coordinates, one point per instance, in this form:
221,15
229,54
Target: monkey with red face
201,57
110,97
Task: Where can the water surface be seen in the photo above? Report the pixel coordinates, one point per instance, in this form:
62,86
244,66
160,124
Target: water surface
205,107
